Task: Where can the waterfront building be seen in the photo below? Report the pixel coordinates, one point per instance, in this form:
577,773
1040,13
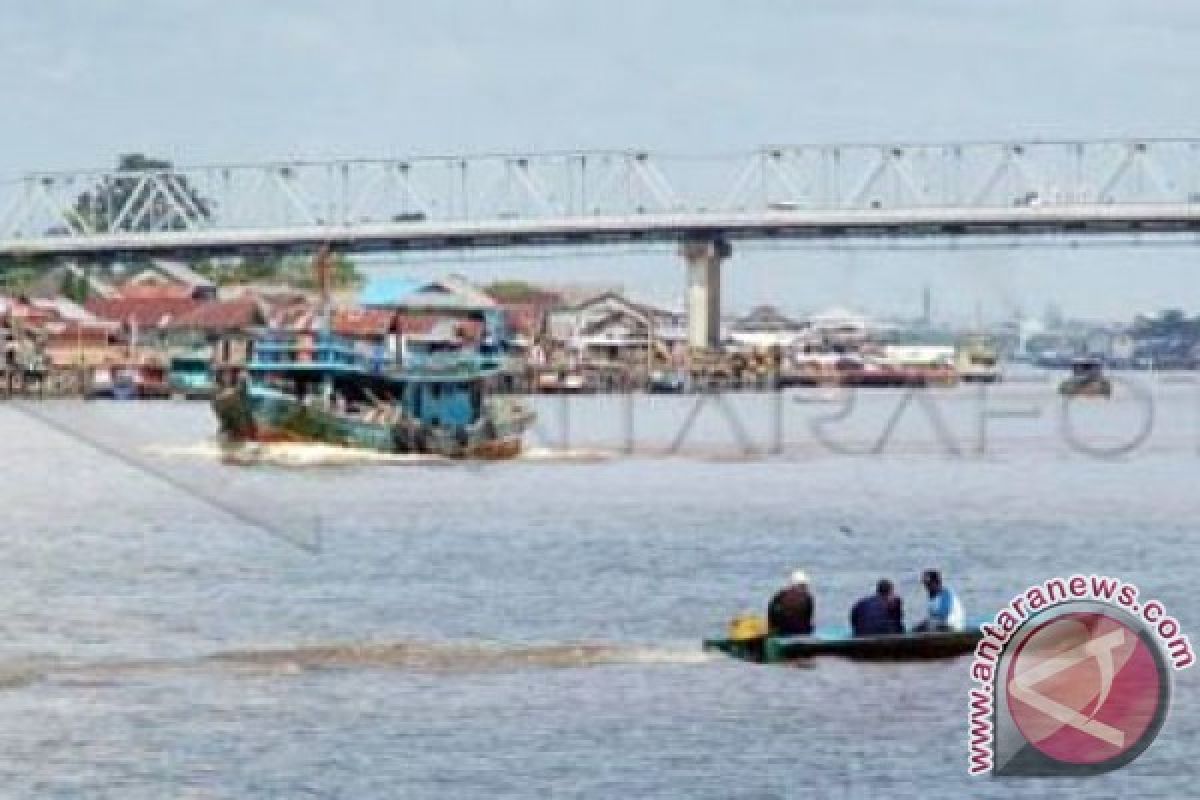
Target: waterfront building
765,327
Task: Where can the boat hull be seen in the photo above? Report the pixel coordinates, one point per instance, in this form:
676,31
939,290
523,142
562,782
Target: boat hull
265,418
892,647
1088,387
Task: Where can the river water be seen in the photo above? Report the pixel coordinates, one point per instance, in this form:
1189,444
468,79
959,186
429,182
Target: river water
302,625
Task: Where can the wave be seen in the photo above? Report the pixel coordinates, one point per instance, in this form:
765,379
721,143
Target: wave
455,656
291,454
566,456
411,656
306,454
18,676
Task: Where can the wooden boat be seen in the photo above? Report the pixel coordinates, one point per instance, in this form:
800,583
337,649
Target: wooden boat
322,388
892,647
328,389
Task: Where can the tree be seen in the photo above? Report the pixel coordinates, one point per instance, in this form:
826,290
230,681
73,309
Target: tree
298,271
511,290
76,287
162,198
18,275
295,271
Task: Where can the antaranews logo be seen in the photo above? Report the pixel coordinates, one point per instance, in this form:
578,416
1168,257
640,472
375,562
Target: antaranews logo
1073,677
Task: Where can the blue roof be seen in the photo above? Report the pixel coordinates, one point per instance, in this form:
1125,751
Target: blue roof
388,291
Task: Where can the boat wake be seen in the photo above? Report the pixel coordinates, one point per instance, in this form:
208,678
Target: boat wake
302,454
292,454
566,456
454,656
406,656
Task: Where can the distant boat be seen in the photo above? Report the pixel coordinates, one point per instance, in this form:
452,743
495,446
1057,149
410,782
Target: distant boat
667,381
1087,379
977,361
323,388
560,381
128,382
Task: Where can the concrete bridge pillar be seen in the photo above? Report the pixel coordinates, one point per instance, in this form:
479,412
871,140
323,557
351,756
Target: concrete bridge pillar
704,257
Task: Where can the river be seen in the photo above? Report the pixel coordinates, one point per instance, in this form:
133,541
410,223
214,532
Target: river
306,626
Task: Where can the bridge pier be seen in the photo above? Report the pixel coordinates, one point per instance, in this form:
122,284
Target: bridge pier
703,258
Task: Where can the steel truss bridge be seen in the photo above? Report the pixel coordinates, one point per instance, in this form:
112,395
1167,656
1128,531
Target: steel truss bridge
1143,186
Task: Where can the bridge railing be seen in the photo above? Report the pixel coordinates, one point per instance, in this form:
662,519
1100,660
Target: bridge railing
348,193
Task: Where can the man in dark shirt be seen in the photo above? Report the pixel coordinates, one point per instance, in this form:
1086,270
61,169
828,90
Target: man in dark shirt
790,612
879,613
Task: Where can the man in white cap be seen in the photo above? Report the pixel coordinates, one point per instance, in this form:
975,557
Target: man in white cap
790,612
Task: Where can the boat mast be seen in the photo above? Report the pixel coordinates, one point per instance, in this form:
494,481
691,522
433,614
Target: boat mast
323,265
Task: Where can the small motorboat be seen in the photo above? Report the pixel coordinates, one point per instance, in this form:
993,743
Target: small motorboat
1087,379
664,381
749,643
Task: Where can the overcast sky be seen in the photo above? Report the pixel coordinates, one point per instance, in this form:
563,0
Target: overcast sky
218,80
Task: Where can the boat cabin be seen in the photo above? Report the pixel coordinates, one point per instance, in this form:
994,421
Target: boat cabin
442,390
1087,368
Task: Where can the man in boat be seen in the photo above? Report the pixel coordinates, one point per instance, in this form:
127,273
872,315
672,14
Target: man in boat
945,610
790,611
878,614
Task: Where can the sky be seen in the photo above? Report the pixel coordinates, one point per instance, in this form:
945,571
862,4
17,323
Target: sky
220,80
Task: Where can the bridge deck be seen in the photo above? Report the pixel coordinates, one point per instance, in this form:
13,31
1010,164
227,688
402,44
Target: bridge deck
409,236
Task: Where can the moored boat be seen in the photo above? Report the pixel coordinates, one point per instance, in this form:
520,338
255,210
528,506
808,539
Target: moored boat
666,381
977,361
128,381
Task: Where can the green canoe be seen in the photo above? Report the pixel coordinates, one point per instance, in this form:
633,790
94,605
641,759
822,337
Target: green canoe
891,647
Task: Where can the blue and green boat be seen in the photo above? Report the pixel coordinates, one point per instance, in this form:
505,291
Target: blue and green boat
327,389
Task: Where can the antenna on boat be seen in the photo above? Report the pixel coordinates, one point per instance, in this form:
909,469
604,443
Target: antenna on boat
323,266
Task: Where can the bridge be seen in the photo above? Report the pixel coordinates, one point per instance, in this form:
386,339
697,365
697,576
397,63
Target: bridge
983,189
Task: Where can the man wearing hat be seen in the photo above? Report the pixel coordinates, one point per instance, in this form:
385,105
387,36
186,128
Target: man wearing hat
790,612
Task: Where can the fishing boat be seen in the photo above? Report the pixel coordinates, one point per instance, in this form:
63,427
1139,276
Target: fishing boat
1087,379
760,648
327,389
323,388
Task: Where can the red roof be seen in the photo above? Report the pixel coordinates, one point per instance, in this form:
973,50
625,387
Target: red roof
363,321
423,324
345,321
294,317
147,312
415,323
223,315
529,296
78,333
154,291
